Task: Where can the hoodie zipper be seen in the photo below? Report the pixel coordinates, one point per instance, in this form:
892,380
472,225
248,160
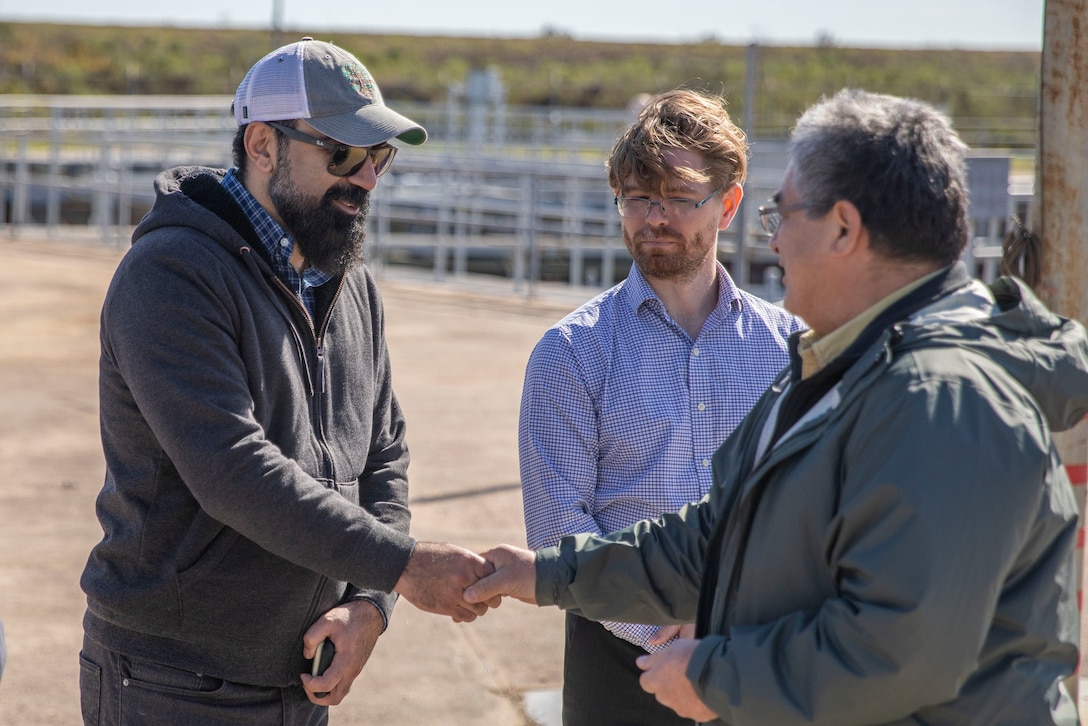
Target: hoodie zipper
319,337
318,389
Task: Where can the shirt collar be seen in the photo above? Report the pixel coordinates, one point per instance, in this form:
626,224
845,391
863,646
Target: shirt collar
816,352
276,243
638,291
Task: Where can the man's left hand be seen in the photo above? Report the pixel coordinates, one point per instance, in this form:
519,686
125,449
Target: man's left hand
353,628
664,675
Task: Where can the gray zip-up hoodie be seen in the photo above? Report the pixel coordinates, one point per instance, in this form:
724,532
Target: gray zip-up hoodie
255,461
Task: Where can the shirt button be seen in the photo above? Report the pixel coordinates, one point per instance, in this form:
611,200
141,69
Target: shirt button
285,242
695,352
701,407
706,462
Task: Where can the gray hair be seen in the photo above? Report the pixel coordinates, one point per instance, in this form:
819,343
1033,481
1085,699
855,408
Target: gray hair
897,160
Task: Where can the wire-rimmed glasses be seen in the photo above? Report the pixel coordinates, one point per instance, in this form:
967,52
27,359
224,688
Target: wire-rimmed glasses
673,207
770,215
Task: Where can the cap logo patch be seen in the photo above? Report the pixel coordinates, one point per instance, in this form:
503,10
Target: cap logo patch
360,80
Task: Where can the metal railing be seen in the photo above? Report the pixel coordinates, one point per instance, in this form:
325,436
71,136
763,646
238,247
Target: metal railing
525,200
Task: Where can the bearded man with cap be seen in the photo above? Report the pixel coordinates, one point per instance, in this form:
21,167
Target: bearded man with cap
255,502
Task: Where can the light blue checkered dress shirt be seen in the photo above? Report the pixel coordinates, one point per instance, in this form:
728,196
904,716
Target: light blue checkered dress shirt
621,410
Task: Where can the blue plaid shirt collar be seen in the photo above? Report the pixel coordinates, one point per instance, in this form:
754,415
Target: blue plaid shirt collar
276,242
638,292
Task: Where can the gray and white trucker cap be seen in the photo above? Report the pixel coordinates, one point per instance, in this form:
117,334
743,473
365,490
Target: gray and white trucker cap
328,88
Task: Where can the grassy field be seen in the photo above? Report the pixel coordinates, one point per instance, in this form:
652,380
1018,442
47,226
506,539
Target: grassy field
992,95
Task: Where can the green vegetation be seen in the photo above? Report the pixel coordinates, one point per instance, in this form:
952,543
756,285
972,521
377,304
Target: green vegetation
992,96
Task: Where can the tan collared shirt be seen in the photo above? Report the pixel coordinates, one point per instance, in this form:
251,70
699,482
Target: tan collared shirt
816,352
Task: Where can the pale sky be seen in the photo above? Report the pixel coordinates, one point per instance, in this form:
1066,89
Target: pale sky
975,24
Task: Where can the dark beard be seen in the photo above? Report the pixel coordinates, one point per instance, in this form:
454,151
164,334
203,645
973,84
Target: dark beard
328,239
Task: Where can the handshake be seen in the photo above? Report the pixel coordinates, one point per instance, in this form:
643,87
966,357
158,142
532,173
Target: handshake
449,580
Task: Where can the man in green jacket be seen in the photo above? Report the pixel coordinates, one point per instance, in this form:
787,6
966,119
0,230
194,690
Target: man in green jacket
890,536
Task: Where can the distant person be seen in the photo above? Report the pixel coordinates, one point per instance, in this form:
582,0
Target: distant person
890,536
626,398
256,500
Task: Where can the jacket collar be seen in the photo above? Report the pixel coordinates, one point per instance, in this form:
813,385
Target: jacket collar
940,285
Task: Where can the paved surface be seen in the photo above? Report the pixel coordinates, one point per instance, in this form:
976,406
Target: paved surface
459,352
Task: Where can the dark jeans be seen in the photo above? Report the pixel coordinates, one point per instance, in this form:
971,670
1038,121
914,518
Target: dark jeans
119,690
600,681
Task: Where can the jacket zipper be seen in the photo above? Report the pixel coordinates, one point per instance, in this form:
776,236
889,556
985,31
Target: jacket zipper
318,389
736,533
319,341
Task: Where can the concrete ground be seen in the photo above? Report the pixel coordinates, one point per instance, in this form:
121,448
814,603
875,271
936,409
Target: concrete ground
459,352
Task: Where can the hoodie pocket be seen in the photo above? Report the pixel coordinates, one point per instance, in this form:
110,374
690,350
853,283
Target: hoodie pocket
348,489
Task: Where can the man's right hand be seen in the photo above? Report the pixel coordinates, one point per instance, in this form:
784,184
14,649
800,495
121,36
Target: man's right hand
436,577
514,576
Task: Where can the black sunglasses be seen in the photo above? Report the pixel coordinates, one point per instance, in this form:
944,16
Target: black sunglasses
345,160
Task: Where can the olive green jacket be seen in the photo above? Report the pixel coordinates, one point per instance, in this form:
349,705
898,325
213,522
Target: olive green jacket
901,553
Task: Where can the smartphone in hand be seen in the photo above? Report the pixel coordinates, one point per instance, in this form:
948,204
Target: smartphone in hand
322,657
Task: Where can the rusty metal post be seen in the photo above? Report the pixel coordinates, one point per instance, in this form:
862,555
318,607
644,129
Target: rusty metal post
1062,159
1061,220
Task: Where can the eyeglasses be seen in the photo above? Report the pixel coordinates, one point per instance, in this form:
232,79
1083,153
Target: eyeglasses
770,215
345,160
674,208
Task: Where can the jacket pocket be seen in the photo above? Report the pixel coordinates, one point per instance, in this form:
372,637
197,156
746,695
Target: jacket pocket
206,541
348,489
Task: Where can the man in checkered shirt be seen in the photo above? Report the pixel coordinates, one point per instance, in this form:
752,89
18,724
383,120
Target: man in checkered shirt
627,398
